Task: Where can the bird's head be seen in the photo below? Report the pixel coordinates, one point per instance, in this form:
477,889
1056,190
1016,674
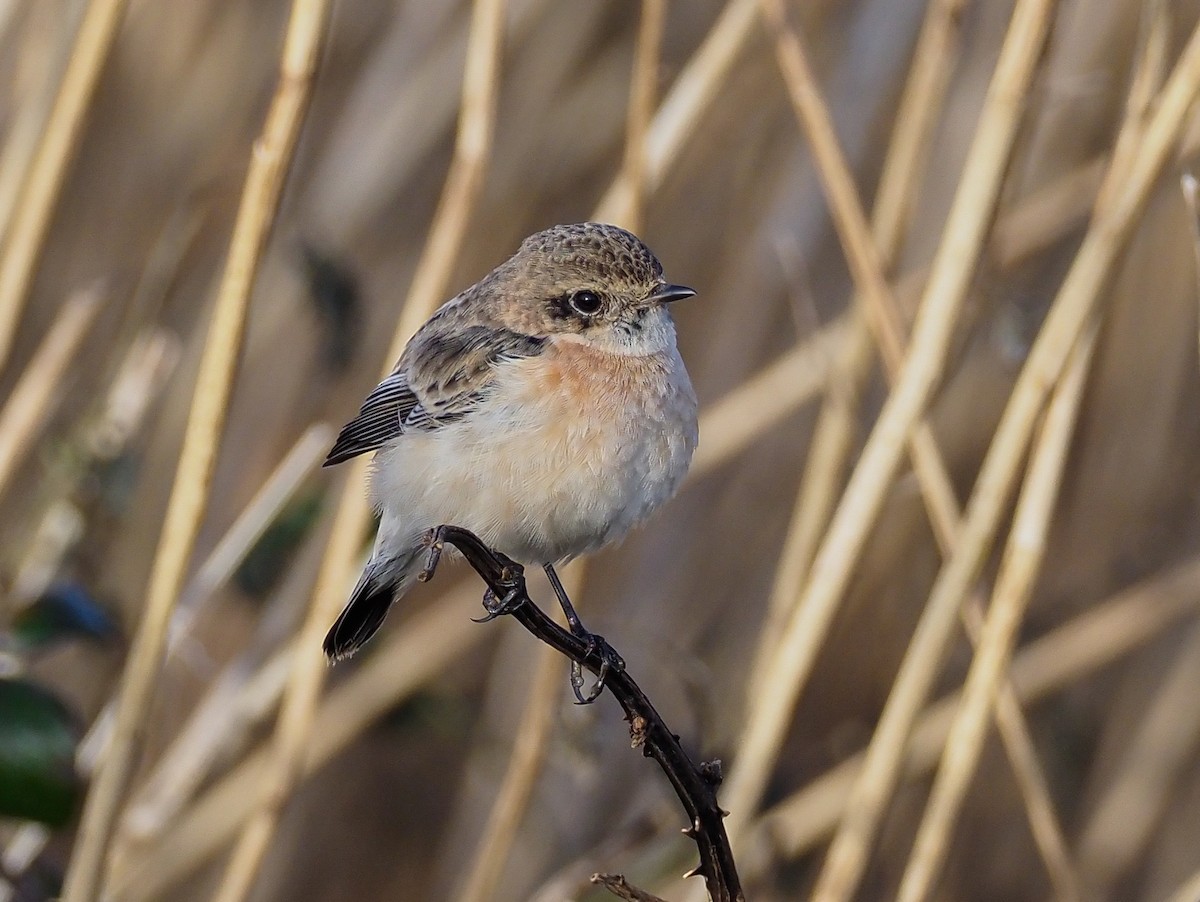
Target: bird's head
588,282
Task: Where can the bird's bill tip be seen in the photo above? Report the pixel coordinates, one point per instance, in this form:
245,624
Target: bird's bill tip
667,294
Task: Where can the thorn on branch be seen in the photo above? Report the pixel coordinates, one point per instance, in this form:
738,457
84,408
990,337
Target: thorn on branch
711,772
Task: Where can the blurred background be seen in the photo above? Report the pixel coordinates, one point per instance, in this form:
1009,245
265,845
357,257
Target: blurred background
415,737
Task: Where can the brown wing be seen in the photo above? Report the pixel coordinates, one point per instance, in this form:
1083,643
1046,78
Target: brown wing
441,378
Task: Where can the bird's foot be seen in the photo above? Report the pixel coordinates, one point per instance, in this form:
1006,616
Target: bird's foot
435,544
499,605
609,661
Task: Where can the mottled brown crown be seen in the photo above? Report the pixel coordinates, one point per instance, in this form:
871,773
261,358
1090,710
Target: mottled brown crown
603,249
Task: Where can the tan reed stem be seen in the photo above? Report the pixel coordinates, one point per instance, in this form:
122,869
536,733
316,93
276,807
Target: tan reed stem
38,197
39,389
1110,629
460,192
836,426
189,496
1019,569
629,209
881,316
689,98
406,660
957,256
528,756
1150,770
1076,299
837,422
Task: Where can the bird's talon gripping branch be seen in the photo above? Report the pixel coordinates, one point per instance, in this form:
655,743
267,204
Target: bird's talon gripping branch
609,661
498,606
596,645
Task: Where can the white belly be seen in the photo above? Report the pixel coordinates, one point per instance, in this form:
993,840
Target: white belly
559,461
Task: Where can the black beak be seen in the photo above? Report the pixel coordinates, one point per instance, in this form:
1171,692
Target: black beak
667,294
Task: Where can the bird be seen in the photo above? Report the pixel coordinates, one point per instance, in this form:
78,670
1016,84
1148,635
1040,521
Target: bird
546,409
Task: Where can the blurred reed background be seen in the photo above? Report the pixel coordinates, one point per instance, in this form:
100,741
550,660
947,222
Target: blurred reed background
1029,230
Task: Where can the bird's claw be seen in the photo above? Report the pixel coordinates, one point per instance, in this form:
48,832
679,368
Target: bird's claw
498,606
609,661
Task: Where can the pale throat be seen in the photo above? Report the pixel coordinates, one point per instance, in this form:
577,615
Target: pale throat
653,334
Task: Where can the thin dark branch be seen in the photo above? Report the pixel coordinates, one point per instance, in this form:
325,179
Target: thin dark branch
695,785
623,889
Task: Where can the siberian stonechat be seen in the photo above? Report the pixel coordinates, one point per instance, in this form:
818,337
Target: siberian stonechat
546,409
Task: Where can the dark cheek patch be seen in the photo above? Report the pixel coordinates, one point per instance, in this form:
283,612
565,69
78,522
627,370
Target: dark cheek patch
560,308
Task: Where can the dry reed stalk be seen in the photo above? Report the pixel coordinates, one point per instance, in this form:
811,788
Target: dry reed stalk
732,423
838,421
405,660
1019,569
829,450
39,389
236,704
1189,891
533,733
183,766
29,105
1111,629
1162,746
881,316
512,799
35,206
1191,195
142,374
688,99
1036,221
628,210
459,195
189,495
954,263
867,264
464,181
279,488
1070,311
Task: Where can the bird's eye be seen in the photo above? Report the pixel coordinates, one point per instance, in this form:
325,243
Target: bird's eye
586,302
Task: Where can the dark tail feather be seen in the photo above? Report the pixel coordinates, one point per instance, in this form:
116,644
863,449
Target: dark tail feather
363,615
